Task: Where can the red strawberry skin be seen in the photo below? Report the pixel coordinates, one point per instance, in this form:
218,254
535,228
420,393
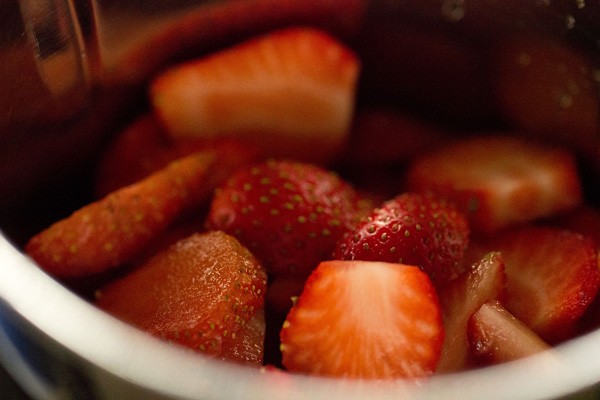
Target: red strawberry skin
198,293
289,214
143,147
552,277
499,180
111,231
365,320
484,281
415,229
291,92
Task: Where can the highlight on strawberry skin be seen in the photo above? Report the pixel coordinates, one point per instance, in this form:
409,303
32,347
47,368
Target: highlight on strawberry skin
205,292
290,214
419,229
368,320
291,92
111,231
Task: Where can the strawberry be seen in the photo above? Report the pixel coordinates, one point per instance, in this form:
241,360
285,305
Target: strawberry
214,25
484,281
199,293
499,180
549,90
361,319
552,277
496,336
290,92
289,214
399,136
144,147
415,229
111,231
584,219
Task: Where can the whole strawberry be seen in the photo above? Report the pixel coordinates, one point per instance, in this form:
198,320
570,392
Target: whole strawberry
289,214
415,229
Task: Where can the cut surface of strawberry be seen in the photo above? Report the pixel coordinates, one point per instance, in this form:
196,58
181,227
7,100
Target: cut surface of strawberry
552,277
360,319
289,214
415,229
484,281
500,180
291,92
109,232
199,293
496,336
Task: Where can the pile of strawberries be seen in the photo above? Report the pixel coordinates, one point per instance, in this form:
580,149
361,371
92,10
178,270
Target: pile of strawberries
234,238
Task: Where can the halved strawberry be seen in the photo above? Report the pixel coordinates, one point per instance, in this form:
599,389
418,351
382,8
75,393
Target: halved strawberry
290,92
198,293
552,277
289,214
144,147
500,180
111,231
483,282
362,319
496,336
415,229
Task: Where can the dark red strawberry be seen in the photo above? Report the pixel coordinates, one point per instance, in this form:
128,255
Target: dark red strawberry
144,147
547,89
415,229
282,292
584,219
496,336
113,230
552,277
198,293
290,92
289,214
484,281
360,319
499,180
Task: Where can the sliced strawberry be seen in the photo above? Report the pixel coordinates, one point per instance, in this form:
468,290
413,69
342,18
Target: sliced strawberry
290,92
548,89
552,277
289,214
483,282
111,231
414,229
144,147
496,336
500,180
361,319
214,25
198,293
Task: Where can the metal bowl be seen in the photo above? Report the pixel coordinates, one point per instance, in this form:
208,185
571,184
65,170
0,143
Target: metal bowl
74,72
